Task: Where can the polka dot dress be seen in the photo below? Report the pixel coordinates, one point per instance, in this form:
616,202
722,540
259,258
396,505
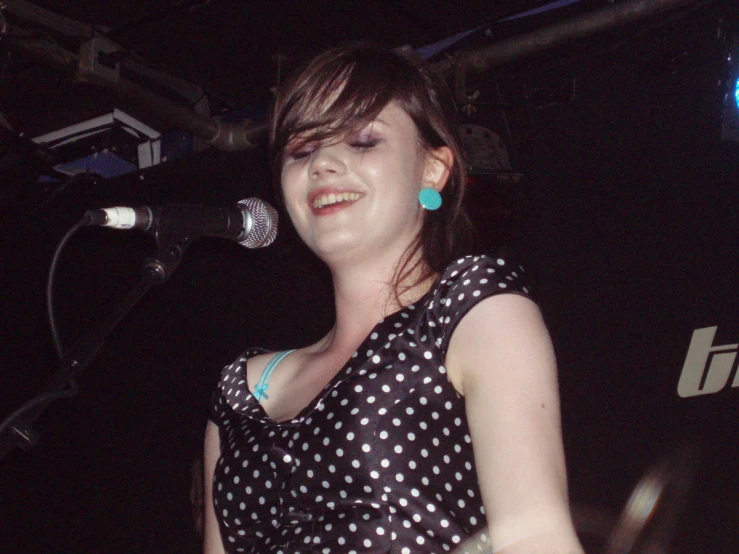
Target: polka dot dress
379,462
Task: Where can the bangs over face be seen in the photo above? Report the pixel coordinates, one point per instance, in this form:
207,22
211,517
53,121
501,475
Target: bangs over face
344,90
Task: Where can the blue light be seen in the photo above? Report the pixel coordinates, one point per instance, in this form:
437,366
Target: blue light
736,93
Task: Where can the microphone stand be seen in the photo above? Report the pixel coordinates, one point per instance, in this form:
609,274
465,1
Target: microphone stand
62,383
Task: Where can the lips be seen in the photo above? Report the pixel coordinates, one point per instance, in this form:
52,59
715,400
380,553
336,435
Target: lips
326,199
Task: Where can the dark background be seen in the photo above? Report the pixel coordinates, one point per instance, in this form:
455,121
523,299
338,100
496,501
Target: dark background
626,219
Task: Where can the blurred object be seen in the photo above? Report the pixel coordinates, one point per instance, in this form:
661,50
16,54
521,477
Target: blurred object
730,116
649,519
197,495
477,543
591,522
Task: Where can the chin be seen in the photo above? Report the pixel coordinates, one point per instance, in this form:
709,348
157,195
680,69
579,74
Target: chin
335,248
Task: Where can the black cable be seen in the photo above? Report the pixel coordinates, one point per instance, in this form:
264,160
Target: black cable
50,283
37,400
46,397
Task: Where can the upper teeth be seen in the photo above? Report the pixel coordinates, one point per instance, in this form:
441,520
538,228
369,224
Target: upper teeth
334,198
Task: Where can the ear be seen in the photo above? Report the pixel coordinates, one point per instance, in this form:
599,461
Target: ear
439,164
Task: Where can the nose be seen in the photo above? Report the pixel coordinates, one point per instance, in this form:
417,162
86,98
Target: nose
326,162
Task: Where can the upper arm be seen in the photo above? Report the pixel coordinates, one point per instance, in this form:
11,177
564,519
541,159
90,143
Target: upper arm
212,543
501,358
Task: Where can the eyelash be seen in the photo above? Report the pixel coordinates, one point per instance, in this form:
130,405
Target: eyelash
300,154
360,145
363,144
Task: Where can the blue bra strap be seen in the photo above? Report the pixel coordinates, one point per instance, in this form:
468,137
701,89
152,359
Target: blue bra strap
260,391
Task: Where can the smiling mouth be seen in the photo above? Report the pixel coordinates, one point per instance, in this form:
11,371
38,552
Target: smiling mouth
333,198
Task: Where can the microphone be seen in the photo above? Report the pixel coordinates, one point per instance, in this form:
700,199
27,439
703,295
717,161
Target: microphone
251,222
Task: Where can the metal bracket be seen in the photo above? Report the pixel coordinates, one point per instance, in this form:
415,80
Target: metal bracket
460,90
98,62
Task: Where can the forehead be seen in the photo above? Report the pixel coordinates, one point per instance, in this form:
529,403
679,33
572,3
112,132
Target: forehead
393,116
390,119
395,121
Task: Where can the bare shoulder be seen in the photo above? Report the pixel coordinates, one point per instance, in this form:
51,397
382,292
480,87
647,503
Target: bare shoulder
500,333
256,364
503,312
255,367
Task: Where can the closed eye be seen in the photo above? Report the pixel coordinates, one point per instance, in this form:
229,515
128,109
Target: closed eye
300,154
363,144
301,150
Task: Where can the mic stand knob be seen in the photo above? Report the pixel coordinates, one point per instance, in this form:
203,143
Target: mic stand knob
172,247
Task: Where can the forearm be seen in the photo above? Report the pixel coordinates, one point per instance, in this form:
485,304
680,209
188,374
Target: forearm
212,543
551,542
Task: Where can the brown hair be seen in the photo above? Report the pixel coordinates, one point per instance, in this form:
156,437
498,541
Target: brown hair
344,89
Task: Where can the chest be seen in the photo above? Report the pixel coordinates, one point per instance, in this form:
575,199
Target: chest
388,430
377,430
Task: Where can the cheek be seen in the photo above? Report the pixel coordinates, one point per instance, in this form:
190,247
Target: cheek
289,184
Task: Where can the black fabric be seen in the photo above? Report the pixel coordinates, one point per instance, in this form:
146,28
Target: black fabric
381,461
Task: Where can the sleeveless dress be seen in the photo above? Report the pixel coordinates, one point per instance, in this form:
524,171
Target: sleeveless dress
381,460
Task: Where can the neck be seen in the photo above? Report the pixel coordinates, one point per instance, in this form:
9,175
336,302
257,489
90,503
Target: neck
363,296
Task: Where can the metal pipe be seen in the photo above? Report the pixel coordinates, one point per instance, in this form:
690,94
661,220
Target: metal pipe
230,137
589,23
61,24
233,137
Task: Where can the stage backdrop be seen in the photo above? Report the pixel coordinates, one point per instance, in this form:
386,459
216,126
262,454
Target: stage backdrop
625,219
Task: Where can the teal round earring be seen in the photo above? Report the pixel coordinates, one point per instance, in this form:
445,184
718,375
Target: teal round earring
429,198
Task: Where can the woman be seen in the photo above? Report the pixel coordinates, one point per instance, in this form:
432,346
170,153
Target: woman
430,409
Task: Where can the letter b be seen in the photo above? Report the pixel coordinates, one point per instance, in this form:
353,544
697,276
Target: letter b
701,347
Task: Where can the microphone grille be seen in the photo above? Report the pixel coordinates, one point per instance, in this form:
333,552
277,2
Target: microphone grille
263,229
